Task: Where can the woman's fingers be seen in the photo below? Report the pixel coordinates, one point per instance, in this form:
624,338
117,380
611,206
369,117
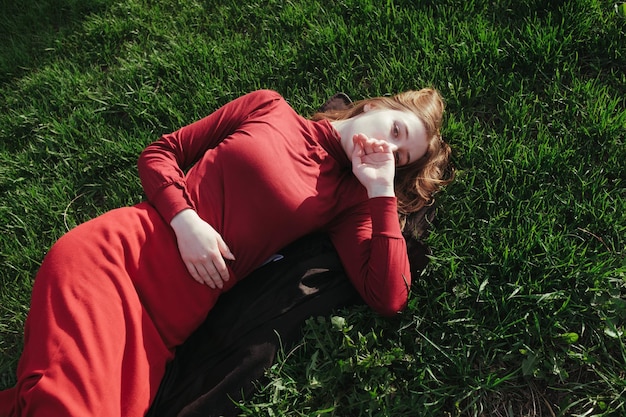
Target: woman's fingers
218,272
209,274
208,268
202,249
215,272
194,272
224,250
373,165
371,145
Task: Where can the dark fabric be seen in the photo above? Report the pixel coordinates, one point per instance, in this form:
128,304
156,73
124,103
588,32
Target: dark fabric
240,338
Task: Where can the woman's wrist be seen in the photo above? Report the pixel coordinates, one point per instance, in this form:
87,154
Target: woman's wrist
183,219
374,191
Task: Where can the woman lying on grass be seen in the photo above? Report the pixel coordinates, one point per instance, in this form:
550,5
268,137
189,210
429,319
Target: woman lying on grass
115,296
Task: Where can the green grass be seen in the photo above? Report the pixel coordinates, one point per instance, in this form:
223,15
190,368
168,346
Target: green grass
522,310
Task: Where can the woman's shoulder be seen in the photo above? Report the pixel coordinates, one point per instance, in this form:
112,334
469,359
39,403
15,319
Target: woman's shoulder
260,102
265,95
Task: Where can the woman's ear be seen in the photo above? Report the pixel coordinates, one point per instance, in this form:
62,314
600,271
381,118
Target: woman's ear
368,107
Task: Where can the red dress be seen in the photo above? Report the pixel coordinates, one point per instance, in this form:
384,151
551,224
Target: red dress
113,298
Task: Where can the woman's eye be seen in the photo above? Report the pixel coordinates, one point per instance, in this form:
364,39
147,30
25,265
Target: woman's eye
396,131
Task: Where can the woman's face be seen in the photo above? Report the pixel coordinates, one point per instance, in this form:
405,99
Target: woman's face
401,128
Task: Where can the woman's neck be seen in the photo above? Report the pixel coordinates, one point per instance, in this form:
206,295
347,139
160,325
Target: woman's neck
340,129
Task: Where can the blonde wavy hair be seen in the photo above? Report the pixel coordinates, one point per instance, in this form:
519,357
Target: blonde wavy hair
416,183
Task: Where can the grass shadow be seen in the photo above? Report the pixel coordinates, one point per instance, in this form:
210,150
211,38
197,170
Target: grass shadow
29,29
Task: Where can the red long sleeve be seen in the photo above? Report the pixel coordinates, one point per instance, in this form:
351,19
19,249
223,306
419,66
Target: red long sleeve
374,254
162,164
263,176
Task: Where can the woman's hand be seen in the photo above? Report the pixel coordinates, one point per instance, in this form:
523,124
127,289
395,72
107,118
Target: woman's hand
373,164
202,249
